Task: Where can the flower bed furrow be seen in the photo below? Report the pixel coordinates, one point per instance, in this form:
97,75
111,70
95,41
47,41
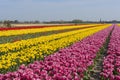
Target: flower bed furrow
66,64
93,72
111,64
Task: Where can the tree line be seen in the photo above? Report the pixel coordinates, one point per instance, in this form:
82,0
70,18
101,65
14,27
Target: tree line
7,23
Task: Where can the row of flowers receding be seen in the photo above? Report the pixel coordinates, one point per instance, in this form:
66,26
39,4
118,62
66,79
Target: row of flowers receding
33,33
16,46
35,30
111,63
31,27
12,60
66,64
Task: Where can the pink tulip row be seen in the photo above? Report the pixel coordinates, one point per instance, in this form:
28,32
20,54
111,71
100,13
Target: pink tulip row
111,63
66,64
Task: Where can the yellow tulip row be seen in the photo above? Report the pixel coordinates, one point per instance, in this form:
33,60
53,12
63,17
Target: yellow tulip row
118,25
19,45
39,51
27,31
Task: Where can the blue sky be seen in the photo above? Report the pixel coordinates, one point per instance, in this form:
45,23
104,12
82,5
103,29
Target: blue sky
46,10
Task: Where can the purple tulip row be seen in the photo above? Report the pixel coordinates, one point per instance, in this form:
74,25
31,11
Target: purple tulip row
111,63
66,64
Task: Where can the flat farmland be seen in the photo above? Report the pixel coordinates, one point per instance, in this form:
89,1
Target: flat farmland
60,52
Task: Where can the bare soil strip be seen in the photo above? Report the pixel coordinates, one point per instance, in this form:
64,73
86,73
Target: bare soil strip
93,72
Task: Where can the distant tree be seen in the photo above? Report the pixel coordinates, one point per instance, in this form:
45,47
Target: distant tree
36,21
16,21
77,21
7,23
0,21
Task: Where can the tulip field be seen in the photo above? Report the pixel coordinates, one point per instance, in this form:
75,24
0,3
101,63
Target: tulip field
66,52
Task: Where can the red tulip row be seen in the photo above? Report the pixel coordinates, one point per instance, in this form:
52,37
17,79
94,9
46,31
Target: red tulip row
23,27
66,64
31,27
111,63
